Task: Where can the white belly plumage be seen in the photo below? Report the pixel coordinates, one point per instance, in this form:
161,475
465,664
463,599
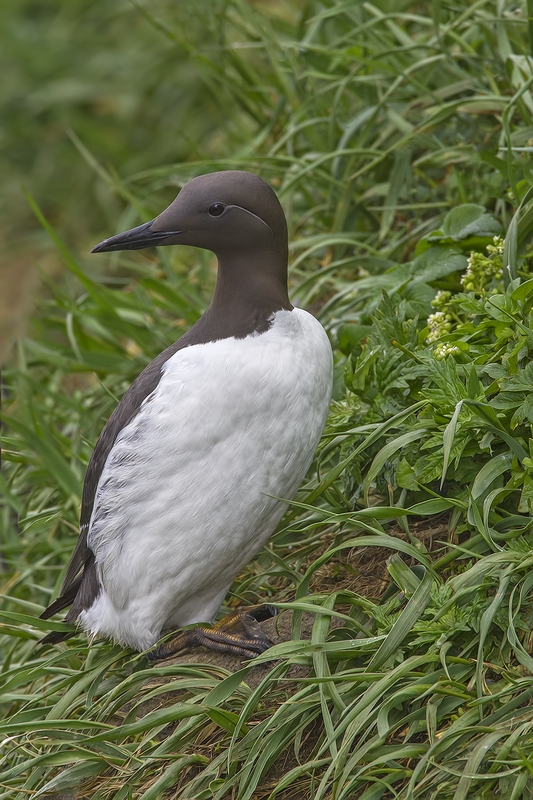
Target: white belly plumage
186,497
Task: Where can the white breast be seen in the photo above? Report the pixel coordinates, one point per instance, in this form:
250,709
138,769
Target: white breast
186,497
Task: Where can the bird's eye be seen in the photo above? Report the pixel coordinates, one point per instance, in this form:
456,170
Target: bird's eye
216,209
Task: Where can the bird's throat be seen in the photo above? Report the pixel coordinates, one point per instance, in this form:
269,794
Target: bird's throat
251,290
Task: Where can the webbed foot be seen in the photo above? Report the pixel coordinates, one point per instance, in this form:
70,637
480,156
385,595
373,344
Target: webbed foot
238,634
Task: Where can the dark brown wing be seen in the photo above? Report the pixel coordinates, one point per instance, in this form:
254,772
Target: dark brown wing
81,586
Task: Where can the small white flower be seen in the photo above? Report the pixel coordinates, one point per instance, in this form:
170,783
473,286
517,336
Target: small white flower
497,247
439,323
444,350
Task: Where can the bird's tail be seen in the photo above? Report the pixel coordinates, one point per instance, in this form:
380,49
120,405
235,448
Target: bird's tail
63,601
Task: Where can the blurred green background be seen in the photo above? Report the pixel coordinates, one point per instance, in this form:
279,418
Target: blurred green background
134,94
101,70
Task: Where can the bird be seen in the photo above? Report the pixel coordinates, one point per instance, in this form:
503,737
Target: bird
188,478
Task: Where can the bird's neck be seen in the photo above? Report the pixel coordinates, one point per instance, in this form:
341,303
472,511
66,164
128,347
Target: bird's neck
248,291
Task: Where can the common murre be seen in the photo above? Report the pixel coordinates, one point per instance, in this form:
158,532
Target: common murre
180,490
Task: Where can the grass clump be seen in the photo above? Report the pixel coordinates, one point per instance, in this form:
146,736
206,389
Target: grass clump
398,138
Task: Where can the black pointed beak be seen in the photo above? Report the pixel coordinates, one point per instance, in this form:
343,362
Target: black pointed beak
135,239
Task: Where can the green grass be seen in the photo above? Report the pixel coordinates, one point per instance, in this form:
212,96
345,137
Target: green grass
399,138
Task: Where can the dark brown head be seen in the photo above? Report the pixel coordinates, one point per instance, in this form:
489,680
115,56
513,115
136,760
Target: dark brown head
225,212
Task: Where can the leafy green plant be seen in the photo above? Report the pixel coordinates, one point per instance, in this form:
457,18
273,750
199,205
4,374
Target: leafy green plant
471,362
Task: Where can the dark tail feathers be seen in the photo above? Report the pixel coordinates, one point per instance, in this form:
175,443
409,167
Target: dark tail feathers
62,602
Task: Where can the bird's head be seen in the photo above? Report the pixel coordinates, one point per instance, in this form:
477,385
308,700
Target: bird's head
225,212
